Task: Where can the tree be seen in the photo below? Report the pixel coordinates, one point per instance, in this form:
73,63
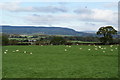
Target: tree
58,41
13,42
106,34
5,39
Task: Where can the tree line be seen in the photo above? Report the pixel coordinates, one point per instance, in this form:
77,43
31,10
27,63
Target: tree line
105,35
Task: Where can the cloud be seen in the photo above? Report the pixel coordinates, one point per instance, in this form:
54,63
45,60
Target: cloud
92,18
97,15
83,11
51,9
10,6
15,7
81,18
89,23
49,19
111,5
105,16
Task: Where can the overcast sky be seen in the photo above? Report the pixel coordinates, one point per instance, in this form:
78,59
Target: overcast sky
80,16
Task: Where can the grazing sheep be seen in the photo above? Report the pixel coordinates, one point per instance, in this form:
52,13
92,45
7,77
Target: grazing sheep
89,49
103,51
111,49
96,49
65,49
111,45
25,52
69,46
104,48
30,52
13,51
99,46
80,48
5,52
17,50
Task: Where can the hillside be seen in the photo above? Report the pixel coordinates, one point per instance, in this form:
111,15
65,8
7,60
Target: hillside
43,30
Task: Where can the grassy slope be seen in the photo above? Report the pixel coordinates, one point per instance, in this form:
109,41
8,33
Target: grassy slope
55,62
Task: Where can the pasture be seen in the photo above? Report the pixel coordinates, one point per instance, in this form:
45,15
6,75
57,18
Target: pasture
74,61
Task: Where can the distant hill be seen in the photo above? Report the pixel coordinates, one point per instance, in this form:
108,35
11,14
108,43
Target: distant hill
43,30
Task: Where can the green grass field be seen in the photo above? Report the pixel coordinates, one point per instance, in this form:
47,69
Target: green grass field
76,61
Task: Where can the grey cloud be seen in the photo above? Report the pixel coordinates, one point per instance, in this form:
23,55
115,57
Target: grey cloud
17,8
42,19
97,15
52,9
83,11
49,19
89,23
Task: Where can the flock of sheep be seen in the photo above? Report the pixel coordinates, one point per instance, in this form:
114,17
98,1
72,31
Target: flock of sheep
66,49
95,48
